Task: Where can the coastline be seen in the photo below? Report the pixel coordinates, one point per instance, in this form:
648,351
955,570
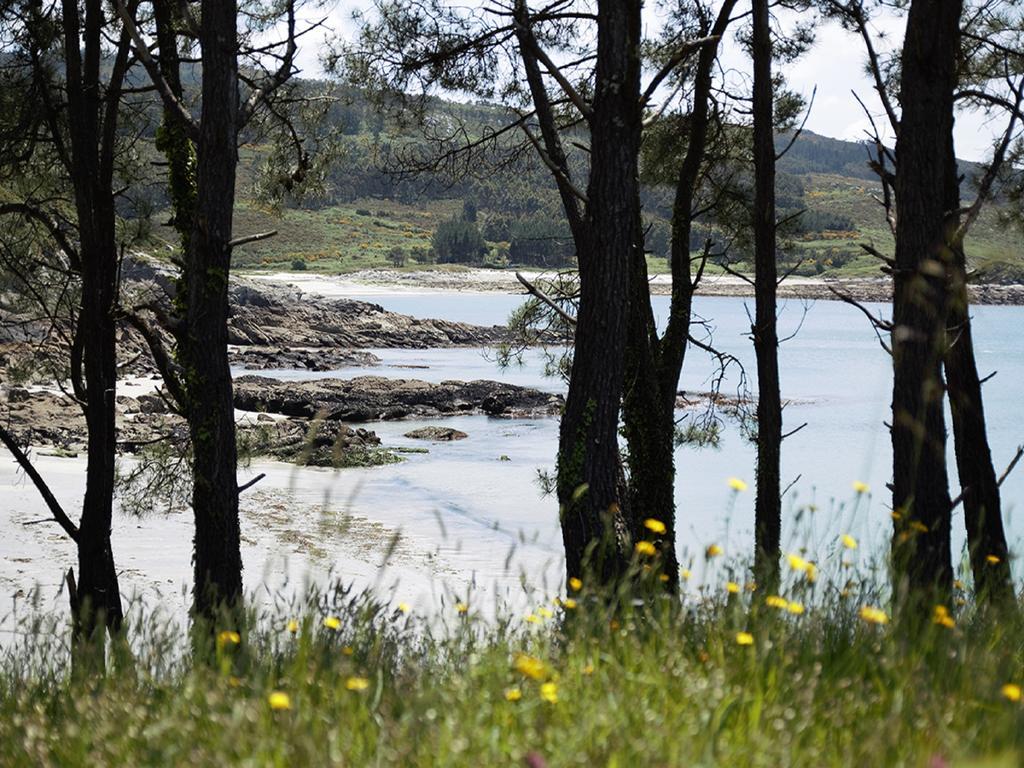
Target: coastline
372,282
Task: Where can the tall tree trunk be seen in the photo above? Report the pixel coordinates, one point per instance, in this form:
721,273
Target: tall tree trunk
768,505
653,365
981,499
588,452
925,171
648,419
218,560
98,597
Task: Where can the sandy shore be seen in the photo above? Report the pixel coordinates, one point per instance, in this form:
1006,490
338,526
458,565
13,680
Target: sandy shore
386,281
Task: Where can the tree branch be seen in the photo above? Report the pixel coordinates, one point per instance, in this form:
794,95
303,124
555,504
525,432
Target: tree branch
44,490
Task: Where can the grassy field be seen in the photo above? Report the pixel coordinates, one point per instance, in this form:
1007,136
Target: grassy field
814,677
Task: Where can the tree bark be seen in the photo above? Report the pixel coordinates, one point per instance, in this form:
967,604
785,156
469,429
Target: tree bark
925,170
588,456
91,170
768,505
217,558
653,365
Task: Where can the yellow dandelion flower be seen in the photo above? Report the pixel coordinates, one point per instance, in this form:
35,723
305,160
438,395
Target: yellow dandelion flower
588,670
812,572
575,584
736,484
713,551
744,638
357,684
874,615
1011,692
279,700
795,608
860,487
333,623
530,666
461,608
544,612
531,618
549,692
733,588
663,578
293,626
646,548
942,617
654,526
992,559
348,650
569,603
848,541
797,563
513,694
685,573
404,607
776,601
228,638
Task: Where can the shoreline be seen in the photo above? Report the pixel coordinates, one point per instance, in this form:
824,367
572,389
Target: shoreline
373,282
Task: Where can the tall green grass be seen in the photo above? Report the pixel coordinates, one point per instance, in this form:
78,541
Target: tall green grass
719,677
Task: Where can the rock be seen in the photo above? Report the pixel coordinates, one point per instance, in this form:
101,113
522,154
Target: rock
436,433
18,395
152,404
374,398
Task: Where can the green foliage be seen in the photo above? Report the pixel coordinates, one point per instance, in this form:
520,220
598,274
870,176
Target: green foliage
457,241
727,681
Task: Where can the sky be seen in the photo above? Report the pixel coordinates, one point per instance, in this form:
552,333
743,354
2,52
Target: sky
835,65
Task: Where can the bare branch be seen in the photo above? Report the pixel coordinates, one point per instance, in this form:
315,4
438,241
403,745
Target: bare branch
25,463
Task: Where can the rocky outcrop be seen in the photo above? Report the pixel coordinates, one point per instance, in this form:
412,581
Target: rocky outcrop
437,434
373,398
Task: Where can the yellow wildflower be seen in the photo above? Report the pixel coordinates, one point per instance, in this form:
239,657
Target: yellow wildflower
333,623
992,559
941,617
279,700
797,563
918,526
461,607
713,551
736,484
531,618
958,584
874,615
549,692
530,666
544,612
663,578
513,694
1011,692
776,601
795,608
348,650
744,638
733,588
646,548
654,526
896,515
404,607
228,637
357,684
575,584
849,542
685,573
569,603
860,487
588,670
293,626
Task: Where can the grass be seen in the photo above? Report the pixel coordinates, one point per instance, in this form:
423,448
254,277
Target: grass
725,680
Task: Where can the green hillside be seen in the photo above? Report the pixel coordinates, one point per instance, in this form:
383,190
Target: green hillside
370,212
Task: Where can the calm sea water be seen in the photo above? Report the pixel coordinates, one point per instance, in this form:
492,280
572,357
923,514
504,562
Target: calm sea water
834,372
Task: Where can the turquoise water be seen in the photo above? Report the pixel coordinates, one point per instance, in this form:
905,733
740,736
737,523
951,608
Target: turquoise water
834,372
